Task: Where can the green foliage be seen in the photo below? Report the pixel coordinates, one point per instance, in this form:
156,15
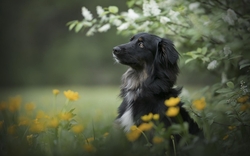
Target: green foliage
215,36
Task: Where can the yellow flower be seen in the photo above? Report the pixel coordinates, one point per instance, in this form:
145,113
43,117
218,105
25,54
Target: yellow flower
133,128
172,101
89,148
40,114
11,130
199,104
1,124
77,129
29,138
56,91
3,105
156,116
133,135
147,117
24,121
37,127
225,137
244,107
157,140
89,140
14,103
145,126
231,127
30,106
53,123
105,134
66,116
73,96
172,111
243,99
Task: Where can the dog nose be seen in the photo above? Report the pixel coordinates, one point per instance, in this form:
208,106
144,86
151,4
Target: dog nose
116,50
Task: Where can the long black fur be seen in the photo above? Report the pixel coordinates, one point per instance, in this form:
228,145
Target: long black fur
149,81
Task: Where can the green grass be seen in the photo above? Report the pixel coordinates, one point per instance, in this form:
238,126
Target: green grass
97,106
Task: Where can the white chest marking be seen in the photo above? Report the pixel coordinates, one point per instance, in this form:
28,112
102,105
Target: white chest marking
126,120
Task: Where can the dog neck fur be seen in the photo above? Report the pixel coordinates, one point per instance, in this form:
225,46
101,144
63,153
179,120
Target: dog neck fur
132,81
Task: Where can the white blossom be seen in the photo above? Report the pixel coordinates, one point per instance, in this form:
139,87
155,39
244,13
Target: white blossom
212,65
132,14
227,51
99,10
104,28
150,8
91,31
117,22
194,5
86,14
173,14
230,17
164,19
123,26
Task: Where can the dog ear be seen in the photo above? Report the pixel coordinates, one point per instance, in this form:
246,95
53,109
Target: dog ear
168,52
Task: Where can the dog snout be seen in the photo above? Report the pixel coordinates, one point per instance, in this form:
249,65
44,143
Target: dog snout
116,50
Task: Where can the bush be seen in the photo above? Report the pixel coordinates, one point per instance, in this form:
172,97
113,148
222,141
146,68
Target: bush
214,36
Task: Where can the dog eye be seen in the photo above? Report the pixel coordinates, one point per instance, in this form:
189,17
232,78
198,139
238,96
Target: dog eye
140,45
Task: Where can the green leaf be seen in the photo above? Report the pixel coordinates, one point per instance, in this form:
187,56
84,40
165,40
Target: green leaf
78,27
113,9
244,65
230,84
188,60
223,90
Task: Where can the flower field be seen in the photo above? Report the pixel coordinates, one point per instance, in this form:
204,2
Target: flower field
46,121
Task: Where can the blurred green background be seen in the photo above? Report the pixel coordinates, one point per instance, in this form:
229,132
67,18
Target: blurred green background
37,49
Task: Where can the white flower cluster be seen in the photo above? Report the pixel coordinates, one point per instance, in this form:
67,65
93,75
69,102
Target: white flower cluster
86,14
212,65
150,8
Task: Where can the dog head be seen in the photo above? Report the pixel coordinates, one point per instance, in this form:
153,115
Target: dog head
146,49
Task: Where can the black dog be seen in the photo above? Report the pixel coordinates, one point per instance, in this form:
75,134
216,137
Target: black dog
149,81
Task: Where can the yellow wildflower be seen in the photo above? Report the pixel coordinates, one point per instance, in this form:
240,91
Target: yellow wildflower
243,99
29,138
14,103
157,140
156,116
145,126
244,107
37,127
77,129
53,123
147,117
66,116
133,128
172,101
89,140
89,148
225,137
40,114
73,96
231,127
1,124
105,134
133,135
29,106
56,91
24,121
199,104
172,111
3,105
11,130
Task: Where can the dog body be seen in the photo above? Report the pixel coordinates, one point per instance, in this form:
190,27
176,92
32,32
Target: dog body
149,81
